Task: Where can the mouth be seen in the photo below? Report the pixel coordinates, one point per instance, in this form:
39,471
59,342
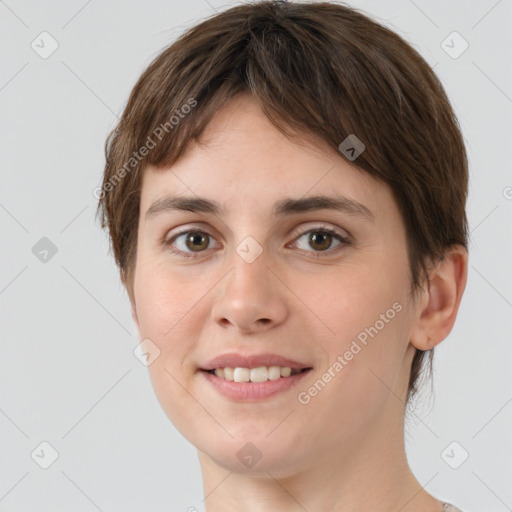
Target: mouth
258,374
254,377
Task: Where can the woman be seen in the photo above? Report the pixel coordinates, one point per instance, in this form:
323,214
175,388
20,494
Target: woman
285,195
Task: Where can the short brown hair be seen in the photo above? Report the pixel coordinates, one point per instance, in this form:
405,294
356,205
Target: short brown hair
316,67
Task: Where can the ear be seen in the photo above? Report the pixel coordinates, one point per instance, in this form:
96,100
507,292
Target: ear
439,303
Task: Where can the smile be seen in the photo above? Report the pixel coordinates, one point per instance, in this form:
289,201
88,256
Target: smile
251,377
259,374
242,388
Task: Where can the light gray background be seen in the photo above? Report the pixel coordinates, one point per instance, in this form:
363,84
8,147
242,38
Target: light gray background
68,374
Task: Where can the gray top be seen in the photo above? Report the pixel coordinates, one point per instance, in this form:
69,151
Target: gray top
447,507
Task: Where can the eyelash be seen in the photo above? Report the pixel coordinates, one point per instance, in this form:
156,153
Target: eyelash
314,254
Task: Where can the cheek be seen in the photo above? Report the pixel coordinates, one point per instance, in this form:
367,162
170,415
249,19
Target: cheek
160,295
363,332
358,384
349,298
166,308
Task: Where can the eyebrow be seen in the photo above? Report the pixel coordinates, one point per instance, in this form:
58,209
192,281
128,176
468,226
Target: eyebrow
285,206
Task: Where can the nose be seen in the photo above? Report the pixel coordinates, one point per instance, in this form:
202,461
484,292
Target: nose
251,297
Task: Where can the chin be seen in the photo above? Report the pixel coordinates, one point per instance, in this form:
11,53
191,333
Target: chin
255,453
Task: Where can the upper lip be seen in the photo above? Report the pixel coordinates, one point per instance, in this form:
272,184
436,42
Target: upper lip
234,360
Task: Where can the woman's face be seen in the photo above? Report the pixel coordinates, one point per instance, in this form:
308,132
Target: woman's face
254,288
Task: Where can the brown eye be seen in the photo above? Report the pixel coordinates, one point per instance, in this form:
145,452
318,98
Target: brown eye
320,240
189,242
196,240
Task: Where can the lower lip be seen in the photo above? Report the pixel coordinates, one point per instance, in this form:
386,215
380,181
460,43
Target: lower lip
252,391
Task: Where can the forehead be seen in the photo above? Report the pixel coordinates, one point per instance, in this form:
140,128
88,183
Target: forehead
243,161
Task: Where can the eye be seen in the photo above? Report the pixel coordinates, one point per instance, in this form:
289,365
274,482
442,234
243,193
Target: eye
194,240
321,240
189,244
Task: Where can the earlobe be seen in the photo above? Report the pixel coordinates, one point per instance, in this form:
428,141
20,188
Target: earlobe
438,308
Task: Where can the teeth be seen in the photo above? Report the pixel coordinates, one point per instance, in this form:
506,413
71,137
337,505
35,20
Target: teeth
228,373
259,374
286,371
274,372
241,375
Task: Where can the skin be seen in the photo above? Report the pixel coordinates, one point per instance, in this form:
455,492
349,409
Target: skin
344,450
